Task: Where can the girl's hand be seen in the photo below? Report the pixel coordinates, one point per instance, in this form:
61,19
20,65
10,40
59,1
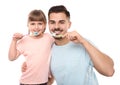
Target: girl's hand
17,36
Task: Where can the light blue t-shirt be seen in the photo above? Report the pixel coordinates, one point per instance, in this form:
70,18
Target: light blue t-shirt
71,65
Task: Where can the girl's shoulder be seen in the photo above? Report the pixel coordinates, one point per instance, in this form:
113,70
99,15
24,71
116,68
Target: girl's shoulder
49,36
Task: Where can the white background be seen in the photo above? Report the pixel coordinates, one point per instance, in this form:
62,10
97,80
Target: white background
97,20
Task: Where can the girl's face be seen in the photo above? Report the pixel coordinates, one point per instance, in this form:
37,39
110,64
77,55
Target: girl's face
36,27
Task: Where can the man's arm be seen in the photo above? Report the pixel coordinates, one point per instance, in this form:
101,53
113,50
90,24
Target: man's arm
102,62
50,80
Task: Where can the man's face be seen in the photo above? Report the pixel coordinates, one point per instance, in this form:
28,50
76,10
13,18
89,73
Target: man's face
58,23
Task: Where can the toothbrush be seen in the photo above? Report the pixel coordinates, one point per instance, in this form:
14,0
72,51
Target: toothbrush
57,36
34,34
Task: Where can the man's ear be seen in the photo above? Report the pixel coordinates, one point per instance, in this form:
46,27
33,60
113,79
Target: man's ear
70,24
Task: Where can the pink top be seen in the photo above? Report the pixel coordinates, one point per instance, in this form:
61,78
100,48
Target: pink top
37,53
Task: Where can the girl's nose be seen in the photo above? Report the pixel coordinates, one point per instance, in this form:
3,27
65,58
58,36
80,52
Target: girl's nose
36,26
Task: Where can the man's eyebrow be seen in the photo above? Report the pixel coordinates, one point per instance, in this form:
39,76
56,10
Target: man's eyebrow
51,20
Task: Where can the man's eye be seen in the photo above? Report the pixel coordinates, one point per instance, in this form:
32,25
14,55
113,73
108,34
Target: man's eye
52,22
62,22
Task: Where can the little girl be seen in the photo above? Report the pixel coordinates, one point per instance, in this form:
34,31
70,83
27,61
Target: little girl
36,48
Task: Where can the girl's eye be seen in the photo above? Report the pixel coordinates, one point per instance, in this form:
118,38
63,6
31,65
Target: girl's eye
32,23
39,23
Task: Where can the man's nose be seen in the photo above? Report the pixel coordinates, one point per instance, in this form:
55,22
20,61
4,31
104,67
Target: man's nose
56,25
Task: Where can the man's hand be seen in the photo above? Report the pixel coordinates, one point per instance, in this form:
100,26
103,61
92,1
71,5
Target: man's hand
24,67
50,80
74,36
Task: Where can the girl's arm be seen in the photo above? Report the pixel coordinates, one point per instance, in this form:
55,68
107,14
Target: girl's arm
13,52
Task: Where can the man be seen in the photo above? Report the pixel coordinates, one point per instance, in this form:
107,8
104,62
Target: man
73,57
